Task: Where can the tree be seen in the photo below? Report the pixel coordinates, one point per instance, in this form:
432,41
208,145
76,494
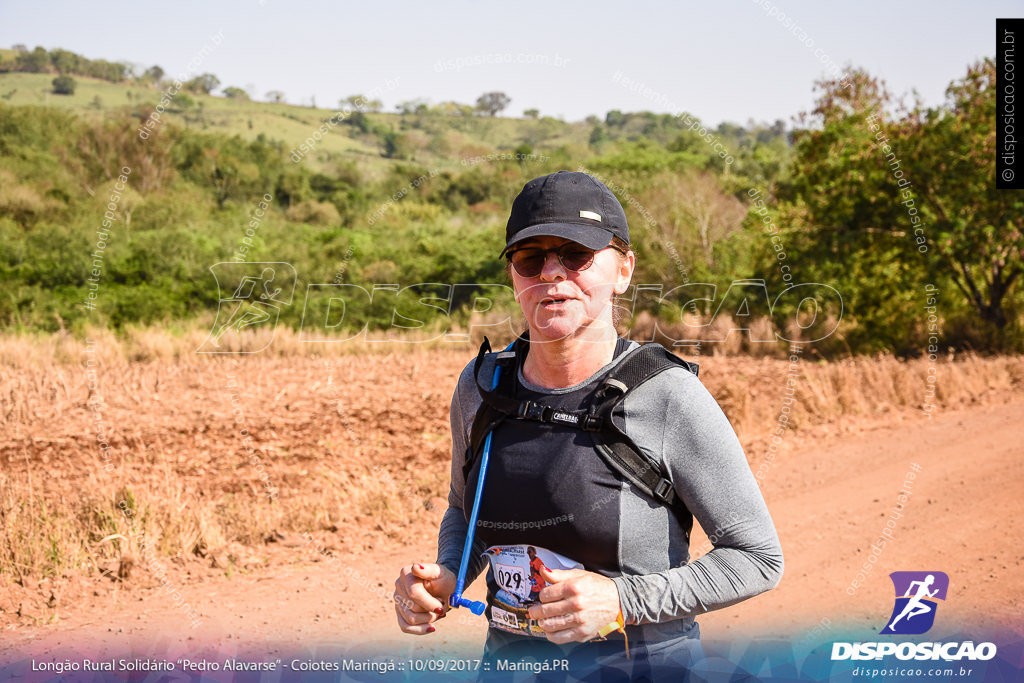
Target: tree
924,209
779,128
35,62
415,106
205,83
359,121
154,74
840,221
275,96
115,72
614,118
64,62
232,168
357,102
976,229
694,212
491,103
64,85
531,113
361,103
397,146
235,93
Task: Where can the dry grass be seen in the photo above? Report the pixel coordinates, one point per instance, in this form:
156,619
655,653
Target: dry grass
353,437
159,344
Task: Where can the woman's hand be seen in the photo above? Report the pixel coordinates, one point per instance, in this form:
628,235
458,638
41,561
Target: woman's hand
575,605
421,596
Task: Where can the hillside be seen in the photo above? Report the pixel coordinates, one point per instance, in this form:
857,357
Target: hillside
421,196
435,144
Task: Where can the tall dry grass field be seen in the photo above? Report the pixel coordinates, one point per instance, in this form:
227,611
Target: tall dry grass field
126,454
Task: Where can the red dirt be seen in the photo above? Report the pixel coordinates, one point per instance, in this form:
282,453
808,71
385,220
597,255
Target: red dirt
830,493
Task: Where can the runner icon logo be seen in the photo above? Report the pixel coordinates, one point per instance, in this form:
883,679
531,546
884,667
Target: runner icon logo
251,296
917,596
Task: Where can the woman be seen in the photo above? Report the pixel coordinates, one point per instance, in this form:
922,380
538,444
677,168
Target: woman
608,552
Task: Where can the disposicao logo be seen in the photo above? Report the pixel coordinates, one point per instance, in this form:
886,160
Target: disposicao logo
917,596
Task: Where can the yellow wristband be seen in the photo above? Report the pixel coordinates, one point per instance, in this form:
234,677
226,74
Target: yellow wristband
618,625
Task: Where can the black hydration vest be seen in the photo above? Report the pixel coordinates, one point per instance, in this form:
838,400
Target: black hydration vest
614,447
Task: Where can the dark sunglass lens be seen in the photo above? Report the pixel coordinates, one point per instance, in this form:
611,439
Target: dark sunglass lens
528,263
577,258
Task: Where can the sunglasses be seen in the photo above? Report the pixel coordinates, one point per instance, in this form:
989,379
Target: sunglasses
529,261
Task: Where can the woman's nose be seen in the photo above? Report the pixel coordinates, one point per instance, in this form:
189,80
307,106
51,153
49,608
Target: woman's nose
553,268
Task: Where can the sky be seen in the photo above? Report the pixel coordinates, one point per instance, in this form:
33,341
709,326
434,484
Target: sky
735,61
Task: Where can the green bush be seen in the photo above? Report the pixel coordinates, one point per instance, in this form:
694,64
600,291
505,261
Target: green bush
64,85
181,102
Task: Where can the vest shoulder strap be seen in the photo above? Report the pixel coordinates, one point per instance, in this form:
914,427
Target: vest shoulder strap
615,447
612,445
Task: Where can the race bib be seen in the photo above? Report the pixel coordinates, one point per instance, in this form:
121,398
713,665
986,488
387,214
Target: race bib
516,570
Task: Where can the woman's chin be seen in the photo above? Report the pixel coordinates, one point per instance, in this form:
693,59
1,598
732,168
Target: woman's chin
555,327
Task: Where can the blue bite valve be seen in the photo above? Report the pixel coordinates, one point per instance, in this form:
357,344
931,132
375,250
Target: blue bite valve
456,599
474,607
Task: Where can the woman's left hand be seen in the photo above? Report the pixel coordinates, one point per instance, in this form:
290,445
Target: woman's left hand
575,604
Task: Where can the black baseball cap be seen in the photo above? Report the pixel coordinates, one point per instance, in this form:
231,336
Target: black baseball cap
568,204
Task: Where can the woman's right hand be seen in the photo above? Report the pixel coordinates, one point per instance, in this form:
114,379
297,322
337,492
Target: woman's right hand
421,596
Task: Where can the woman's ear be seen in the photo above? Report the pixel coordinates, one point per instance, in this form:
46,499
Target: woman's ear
625,274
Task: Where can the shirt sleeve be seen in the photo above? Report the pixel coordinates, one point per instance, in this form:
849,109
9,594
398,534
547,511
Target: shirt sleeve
710,474
451,536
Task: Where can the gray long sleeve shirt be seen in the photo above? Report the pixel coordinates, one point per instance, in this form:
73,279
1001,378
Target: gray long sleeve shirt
675,421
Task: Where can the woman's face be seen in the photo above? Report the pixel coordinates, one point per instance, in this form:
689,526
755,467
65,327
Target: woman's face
560,303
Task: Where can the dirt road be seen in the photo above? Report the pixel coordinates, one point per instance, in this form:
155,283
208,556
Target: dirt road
830,494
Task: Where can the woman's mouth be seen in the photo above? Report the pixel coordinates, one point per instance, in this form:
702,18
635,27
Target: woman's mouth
555,302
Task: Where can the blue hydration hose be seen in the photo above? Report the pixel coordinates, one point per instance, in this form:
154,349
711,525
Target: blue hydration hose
456,599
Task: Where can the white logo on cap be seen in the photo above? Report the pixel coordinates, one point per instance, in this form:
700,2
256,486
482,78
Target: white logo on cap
591,215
